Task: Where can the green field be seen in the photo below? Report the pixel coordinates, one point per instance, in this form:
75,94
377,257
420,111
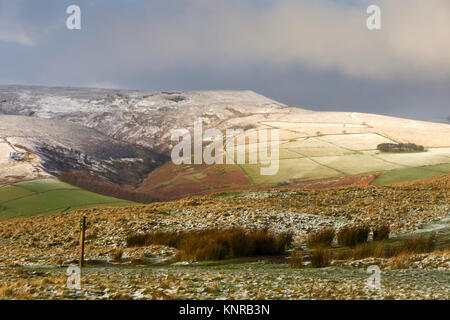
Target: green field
334,155
289,170
409,174
44,185
45,196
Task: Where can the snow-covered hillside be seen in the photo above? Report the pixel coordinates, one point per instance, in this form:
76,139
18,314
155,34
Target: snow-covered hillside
110,131
142,117
49,146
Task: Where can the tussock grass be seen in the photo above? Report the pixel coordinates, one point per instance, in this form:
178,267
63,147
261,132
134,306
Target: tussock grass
167,238
418,244
352,235
6,293
217,244
379,249
321,238
117,255
400,261
296,259
320,258
381,232
367,250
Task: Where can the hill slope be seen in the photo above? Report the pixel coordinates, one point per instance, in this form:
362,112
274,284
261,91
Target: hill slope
50,146
44,196
314,146
406,209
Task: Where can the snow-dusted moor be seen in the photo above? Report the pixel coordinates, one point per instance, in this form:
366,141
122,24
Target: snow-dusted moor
105,155
205,159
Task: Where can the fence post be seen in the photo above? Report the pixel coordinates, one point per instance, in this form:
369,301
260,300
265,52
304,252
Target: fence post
82,233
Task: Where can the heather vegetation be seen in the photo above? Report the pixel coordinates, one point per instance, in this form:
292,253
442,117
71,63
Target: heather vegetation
85,181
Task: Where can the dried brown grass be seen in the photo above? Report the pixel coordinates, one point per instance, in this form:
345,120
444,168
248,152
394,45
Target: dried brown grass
322,238
320,258
418,244
381,232
352,235
296,259
217,244
368,250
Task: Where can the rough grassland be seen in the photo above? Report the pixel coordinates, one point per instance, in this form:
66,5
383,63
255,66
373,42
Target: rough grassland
35,249
259,280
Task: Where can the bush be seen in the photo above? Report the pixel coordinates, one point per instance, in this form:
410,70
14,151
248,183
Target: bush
320,258
418,244
352,235
381,232
217,244
321,238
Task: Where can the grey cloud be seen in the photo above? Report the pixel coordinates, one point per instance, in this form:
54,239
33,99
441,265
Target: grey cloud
318,34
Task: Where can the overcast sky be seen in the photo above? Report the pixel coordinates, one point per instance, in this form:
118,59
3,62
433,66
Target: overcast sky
315,54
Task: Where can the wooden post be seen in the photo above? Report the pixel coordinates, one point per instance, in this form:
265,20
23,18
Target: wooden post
82,233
